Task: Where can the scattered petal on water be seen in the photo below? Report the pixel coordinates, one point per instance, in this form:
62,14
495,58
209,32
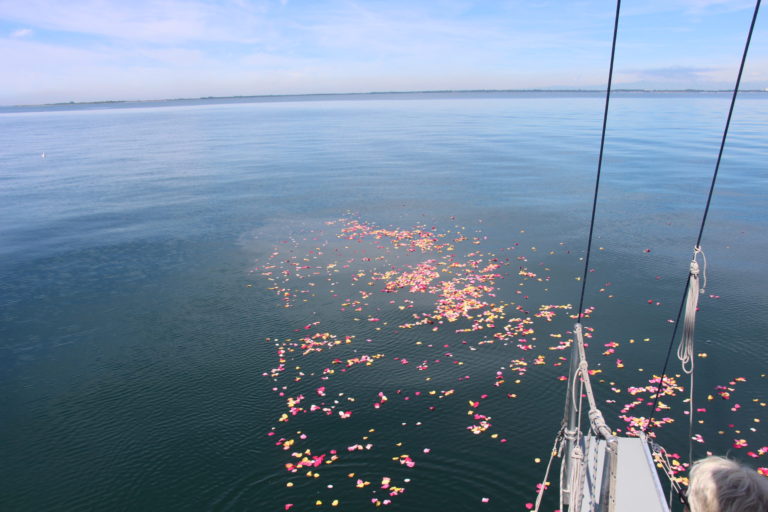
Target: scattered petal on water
430,285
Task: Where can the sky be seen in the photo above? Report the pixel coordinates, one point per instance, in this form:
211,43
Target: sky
97,50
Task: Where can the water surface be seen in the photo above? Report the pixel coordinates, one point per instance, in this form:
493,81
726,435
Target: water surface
135,317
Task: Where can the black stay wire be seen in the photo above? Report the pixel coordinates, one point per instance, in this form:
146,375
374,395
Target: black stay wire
661,385
728,122
599,162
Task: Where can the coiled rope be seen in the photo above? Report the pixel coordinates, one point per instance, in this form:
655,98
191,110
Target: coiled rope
695,289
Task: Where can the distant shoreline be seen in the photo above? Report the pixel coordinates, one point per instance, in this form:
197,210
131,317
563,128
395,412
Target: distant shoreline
278,97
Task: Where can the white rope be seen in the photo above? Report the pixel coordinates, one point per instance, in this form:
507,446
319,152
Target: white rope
663,459
579,435
562,480
577,476
577,456
685,350
555,450
576,400
690,421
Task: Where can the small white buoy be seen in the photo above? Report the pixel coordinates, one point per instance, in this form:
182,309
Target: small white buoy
42,155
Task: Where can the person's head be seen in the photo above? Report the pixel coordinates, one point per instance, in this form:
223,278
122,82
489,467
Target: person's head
721,485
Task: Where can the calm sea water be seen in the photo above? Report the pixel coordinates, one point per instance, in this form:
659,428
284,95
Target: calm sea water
137,321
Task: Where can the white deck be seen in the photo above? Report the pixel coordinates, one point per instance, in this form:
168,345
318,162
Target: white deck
637,480
637,483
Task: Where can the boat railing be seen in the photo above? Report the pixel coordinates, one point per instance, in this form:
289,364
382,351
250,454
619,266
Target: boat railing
575,472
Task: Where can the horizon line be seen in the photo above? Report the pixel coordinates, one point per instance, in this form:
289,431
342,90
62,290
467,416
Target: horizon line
428,91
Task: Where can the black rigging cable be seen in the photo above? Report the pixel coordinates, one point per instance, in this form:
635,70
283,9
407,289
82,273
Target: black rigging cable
599,162
661,385
728,122
566,419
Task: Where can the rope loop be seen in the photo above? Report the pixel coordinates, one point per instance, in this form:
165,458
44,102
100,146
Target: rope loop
696,251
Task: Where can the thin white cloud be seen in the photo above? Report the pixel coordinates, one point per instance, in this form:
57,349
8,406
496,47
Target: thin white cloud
693,8
674,73
698,6
22,32
162,21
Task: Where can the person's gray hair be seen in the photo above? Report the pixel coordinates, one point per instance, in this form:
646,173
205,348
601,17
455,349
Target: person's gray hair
718,484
